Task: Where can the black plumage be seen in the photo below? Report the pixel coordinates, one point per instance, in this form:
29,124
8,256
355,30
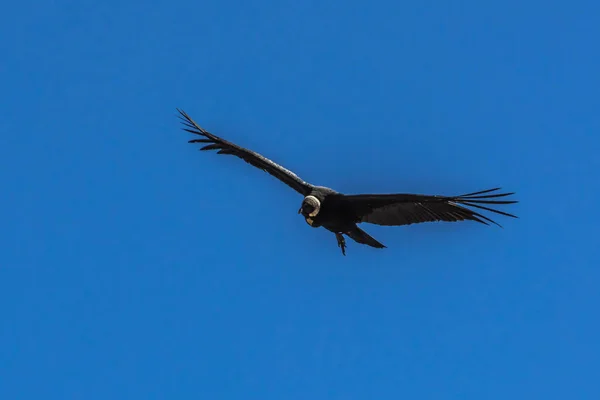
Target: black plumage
340,213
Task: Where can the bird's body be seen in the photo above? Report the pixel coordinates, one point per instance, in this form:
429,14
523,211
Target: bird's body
340,213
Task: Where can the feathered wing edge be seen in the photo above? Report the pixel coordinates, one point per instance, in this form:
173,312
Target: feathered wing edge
405,209
476,199
214,142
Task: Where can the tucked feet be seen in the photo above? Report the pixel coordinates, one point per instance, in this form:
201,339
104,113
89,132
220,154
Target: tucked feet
341,242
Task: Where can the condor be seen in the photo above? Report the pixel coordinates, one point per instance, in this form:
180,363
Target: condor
340,213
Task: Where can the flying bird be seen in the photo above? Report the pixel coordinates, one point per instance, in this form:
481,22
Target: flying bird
340,213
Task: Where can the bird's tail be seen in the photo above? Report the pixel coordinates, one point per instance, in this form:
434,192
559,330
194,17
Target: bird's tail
360,236
476,200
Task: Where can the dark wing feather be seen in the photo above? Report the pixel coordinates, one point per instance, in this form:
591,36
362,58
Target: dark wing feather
214,142
406,209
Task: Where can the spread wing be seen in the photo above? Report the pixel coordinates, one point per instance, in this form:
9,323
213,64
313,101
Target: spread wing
406,209
214,142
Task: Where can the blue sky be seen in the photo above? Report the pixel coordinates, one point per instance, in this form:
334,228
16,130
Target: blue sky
133,266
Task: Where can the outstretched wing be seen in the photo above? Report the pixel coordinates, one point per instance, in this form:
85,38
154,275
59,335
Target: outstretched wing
406,209
216,143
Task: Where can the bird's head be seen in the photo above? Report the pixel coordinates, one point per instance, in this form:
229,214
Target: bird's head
310,206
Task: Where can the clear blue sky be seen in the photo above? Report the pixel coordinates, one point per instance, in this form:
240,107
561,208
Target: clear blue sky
134,267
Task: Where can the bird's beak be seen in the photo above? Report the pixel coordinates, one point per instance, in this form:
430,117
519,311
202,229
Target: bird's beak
300,210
